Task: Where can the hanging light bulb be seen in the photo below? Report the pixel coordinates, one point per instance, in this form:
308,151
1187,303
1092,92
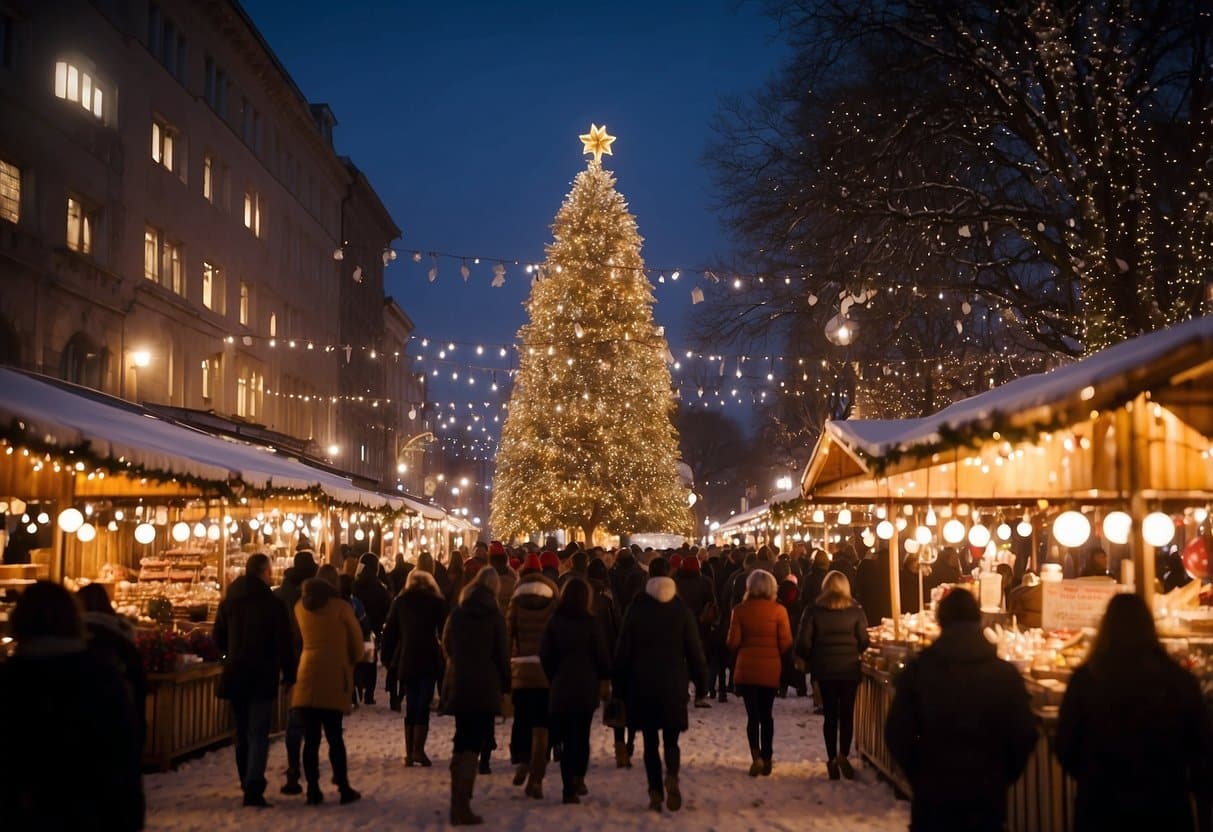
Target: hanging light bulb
953,531
931,520
1116,527
145,533
1003,531
288,526
86,533
199,529
1071,528
1024,528
819,516
70,519
213,532
181,531
979,536
901,524
884,530
923,535
359,534
844,517
1158,529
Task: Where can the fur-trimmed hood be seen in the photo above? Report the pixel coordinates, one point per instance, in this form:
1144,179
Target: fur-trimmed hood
663,590
316,593
535,591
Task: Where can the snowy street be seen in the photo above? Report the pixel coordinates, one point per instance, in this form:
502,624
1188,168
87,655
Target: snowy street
718,794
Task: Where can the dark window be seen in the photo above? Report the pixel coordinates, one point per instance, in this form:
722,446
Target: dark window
8,37
83,361
153,29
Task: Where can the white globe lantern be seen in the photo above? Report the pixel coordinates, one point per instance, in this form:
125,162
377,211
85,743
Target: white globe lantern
288,526
911,546
1116,527
868,538
199,530
145,533
359,534
1003,531
70,520
1158,529
86,533
213,532
181,531
254,524
953,531
844,517
1071,528
979,536
884,530
1024,529
819,516
923,535
901,524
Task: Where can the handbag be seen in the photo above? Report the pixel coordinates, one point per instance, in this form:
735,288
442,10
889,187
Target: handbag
614,714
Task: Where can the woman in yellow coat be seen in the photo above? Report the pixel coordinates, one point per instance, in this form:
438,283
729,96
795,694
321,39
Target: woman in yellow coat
323,692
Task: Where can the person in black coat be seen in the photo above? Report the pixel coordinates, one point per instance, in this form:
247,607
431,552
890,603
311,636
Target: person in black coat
412,650
847,562
576,661
375,600
289,593
113,639
698,594
477,677
627,581
253,632
1134,731
833,635
657,656
872,586
603,605
71,756
398,575
960,726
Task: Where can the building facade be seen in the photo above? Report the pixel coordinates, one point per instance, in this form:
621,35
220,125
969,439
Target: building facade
171,212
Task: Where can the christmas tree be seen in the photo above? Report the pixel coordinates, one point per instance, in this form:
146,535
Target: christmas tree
588,442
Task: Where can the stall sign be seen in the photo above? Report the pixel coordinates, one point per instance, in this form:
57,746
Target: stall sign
1072,605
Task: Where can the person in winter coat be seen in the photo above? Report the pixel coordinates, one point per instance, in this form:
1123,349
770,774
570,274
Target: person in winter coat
793,675
657,657
946,570
253,632
375,600
576,661
697,593
608,619
1134,732
811,585
304,569
507,578
908,580
759,634
477,677
398,575
533,603
411,646
1026,601
323,692
113,639
71,759
627,580
960,726
833,634
871,586
847,562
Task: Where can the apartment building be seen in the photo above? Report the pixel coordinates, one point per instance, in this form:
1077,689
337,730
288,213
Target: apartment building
171,212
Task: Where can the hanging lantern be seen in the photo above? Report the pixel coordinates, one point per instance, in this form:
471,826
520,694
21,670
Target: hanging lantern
868,538
1024,528
844,517
1158,529
359,534
884,530
1071,528
901,524
953,531
288,526
923,535
145,533
213,533
181,532
911,546
70,519
931,520
199,529
86,533
1116,527
979,536
819,516
1003,531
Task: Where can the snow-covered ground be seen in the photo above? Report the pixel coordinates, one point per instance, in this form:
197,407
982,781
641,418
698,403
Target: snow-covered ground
718,794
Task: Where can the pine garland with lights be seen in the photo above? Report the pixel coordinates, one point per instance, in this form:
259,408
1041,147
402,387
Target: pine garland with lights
588,441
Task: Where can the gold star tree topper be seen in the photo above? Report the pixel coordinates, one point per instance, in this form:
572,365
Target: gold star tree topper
597,141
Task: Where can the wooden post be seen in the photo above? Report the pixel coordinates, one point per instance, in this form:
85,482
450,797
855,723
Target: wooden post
894,577
1143,553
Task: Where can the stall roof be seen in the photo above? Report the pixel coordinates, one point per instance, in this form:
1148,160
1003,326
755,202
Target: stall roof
49,412
756,512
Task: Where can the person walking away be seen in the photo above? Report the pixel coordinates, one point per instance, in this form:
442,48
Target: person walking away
960,726
533,603
477,677
373,595
793,675
759,634
411,644
608,619
113,639
1134,732
871,586
576,661
657,657
697,593
253,633
71,759
507,578
833,634
398,574
288,592
332,645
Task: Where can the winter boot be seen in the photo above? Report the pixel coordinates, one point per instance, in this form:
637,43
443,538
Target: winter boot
348,794
420,734
463,779
314,796
409,759
832,769
579,783
755,762
655,800
485,755
521,772
539,763
766,766
292,783
844,767
622,758
673,797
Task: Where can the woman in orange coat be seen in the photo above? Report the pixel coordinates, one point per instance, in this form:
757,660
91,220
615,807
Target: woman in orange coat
324,687
759,634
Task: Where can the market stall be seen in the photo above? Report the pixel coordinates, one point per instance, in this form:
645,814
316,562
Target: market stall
1112,453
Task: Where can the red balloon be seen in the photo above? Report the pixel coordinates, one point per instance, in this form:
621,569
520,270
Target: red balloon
1195,557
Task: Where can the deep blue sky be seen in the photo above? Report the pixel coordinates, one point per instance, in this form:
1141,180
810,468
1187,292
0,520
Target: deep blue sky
465,115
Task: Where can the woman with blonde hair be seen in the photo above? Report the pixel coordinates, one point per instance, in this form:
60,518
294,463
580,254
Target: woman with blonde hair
833,634
759,634
411,647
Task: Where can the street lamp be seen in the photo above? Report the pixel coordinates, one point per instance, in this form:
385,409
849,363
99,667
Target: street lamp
334,450
784,483
141,359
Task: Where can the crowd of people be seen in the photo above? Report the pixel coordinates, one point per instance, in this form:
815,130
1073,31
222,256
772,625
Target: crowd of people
546,637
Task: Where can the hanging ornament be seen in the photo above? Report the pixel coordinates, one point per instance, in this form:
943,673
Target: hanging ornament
578,330
416,256
498,275
358,274
1195,557
696,296
465,271
338,254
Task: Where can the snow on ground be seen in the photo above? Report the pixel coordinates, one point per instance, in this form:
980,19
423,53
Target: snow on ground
718,794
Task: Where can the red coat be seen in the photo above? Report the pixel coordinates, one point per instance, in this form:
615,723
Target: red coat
760,634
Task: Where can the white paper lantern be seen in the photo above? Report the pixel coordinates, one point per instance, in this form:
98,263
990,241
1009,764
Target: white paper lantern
953,531
254,524
1071,528
267,529
112,526
213,532
979,536
288,526
181,531
819,516
70,520
1116,527
1003,531
931,520
359,534
901,524
199,530
145,533
315,524
911,546
1158,529
43,518
1024,529
844,517
86,533
868,538
923,535
884,530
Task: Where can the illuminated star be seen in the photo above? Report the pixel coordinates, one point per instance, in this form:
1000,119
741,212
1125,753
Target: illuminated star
597,142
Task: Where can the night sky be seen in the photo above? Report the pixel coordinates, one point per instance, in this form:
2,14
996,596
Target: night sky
465,117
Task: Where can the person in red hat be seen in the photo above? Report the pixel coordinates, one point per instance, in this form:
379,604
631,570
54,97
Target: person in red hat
530,565
675,561
550,563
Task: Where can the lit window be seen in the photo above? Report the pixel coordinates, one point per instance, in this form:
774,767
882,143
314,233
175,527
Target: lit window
76,85
10,192
244,303
81,222
273,324
206,379
151,254
162,144
212,287
208,182
253,206
173,271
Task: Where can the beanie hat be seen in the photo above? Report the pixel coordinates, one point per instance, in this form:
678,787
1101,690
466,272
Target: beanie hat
659,567
369,559
675,561
548,560
305,563
690,565
496,548
958,606
515,563
596,571
303,544
532,563
470,568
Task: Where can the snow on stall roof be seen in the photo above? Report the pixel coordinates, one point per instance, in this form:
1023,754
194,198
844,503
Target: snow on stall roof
758,511
61,414
877,437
